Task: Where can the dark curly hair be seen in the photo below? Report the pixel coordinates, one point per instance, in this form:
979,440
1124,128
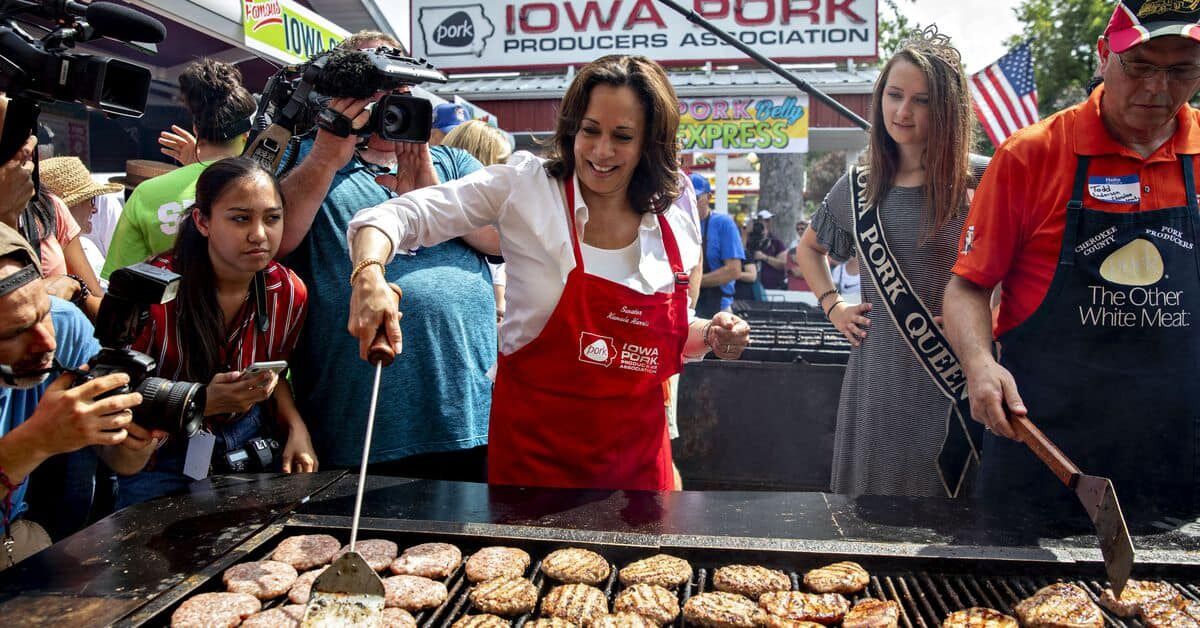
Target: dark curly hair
655,183
213,93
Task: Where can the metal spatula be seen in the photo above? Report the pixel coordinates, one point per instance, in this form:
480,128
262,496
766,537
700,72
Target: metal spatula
349,592
1098,499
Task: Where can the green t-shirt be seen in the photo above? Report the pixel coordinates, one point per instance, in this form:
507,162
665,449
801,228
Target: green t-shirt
151,217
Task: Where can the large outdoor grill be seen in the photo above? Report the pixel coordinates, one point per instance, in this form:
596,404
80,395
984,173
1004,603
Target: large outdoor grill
791,332
927,589
932,556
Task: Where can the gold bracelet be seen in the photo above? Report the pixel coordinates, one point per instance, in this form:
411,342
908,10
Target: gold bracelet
363,265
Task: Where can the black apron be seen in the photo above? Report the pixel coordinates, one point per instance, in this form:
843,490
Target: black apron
1107,363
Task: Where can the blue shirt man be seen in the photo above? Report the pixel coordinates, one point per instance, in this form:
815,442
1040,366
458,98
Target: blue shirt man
436,397
723,253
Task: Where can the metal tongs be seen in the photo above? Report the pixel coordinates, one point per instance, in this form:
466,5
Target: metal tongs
349,592
1098,499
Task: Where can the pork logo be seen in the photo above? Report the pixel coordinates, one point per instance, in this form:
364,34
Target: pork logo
595,349
455,30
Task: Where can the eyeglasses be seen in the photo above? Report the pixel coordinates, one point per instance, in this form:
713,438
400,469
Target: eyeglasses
1140,71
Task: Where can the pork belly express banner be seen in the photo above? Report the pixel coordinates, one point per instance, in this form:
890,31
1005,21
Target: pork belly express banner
498,35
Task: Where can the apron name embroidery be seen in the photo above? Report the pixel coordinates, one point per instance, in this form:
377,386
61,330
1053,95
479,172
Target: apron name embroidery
629,316
1098,242
1120,190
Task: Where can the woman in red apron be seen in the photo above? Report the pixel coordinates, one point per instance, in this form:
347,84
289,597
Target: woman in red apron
599,258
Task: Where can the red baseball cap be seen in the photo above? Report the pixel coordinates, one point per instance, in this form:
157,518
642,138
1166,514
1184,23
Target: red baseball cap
1135,22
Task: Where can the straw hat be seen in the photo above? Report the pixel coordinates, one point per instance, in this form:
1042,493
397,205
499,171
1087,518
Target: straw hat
68,179
138,170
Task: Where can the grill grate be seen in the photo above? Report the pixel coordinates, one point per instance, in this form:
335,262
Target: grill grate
926,595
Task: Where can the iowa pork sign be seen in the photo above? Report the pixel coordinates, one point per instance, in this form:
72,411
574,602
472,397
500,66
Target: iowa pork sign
515,35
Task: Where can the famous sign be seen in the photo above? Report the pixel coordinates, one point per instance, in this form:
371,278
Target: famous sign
522,35
776,124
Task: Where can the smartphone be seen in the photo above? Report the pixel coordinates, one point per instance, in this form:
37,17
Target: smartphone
259,368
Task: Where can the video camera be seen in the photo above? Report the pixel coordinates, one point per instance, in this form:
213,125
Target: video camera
33,70
295,98
174,407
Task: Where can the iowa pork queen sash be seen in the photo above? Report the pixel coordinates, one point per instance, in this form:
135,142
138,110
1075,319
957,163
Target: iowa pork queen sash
959,456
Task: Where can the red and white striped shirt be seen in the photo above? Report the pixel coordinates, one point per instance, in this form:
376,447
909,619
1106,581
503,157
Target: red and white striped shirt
287,302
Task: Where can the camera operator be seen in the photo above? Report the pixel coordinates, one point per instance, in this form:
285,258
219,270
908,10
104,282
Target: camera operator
40,418
434,423
220,108
236,306
47,223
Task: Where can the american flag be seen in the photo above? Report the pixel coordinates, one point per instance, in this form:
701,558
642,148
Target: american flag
1005,94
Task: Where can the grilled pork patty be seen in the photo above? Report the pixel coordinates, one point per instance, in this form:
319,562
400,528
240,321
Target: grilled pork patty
504,596
575,565
873,613
481,621
979,617
844,577
264,579
719,609
624,620
576,603
1059,605
750,580
431,560
1135,594
215,610
305,551
288,616
413,593
494,562
549,622
650,600
663,570
1176,612
823,608
379,553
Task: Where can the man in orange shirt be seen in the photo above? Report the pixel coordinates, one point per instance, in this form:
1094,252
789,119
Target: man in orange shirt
1088,220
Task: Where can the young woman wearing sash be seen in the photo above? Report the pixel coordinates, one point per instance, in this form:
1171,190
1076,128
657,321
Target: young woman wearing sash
913,184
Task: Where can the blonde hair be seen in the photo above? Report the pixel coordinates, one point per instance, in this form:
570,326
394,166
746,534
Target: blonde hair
485,142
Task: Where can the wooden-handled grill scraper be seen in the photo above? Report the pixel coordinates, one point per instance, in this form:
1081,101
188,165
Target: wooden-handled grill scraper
349,592
1098,499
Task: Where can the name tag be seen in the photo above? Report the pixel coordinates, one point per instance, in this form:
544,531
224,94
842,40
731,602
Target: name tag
1122,190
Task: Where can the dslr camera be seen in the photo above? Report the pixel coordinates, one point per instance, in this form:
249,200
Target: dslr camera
259,454
174,407
295,99
43,70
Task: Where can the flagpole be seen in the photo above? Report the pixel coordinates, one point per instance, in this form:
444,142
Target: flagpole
804,86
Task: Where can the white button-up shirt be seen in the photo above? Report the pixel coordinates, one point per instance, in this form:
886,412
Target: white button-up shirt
527,207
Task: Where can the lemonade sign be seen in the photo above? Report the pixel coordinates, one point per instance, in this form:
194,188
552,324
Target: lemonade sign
286,31
744,124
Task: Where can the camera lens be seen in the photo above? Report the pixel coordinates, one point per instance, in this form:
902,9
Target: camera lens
395,122
175,407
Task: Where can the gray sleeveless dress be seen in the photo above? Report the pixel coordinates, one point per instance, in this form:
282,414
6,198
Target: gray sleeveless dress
892,418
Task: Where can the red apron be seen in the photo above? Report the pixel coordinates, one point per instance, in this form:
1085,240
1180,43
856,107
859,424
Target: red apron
581,405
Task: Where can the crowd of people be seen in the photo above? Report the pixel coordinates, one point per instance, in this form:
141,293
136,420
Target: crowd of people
542,303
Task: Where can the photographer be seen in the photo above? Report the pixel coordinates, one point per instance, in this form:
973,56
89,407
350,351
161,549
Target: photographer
221,108
236,306
768,252
41,418
435,417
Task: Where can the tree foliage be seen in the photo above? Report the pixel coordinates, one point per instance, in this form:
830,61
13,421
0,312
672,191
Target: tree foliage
894,27
824,169
1062,36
